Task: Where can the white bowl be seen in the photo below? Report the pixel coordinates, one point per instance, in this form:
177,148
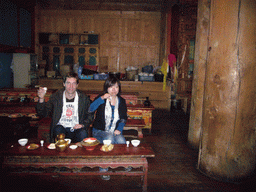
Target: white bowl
23,141
135,142
106,142
73,146
69,140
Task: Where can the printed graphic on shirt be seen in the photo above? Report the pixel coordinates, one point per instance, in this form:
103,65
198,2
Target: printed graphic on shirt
69,112
69,118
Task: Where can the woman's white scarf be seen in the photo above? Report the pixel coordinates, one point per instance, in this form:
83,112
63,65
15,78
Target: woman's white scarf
69,116
108,116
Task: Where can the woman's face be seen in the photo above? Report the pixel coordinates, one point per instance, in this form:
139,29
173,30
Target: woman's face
113,90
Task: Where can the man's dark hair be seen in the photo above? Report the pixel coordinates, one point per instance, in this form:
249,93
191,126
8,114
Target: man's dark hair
110,82
70,75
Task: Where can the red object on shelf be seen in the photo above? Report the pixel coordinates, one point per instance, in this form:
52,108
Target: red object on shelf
91,67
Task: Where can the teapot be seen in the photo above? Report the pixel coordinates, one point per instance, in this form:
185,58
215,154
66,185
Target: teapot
61,144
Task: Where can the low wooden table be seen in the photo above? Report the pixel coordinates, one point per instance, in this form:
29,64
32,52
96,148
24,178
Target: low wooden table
19,160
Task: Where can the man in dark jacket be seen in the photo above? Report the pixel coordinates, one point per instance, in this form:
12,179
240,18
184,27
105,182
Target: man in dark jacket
69,109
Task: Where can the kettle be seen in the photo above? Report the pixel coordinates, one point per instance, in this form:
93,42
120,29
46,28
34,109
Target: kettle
61,144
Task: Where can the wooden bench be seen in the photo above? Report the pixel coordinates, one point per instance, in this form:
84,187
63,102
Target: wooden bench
131,124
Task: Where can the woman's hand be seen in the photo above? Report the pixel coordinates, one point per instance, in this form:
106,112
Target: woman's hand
78,126
106,96
117,132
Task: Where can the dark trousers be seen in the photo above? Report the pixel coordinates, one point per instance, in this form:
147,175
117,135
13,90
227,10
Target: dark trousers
76,136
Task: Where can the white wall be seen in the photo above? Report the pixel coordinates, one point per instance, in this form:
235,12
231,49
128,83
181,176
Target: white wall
21,67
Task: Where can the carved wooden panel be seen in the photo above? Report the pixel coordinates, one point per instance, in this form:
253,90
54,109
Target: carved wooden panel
128,38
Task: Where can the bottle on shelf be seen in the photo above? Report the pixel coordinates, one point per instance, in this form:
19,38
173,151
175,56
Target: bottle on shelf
147,102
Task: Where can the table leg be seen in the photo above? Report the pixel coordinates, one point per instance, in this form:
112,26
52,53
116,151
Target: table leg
140,134
185,104
145,179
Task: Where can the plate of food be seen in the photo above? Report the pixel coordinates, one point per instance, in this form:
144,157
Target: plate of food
107,148
32,146
15,115
51,146
33,116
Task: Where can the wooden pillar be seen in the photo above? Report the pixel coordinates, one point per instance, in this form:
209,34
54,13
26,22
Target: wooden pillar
227,147
201,53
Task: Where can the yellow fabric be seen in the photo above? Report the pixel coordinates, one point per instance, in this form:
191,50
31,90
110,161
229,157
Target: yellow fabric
164,69
175,74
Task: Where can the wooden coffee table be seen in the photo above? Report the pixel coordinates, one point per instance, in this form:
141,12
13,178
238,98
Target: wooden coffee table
19,160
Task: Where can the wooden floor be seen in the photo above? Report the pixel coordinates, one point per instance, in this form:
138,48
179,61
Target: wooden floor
173,168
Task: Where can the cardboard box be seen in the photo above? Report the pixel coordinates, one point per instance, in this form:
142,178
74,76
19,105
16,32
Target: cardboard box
51,74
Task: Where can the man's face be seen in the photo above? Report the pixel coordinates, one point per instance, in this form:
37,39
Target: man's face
70,85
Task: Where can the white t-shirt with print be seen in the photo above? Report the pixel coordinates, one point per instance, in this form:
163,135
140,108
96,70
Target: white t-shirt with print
69,117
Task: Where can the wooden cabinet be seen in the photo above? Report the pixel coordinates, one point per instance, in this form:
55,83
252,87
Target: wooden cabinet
139,111
58,49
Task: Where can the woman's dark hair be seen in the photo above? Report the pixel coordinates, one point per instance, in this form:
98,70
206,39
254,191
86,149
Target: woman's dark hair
110,82
71,75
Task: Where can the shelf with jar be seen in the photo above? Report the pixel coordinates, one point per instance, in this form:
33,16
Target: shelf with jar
68,49
68,39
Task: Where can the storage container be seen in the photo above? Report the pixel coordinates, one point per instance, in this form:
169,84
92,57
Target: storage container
64,70
146,78
159,77
86,77
115,74
147,69
130,75
100,76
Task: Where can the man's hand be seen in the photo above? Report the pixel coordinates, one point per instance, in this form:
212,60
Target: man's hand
78,126
41,93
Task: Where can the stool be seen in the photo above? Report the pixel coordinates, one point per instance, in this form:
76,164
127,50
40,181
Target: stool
135,124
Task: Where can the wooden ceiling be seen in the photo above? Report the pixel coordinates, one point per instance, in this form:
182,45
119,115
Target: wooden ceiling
114,5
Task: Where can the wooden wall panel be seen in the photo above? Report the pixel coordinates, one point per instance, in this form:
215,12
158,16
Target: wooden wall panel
128,38
134,30
63,25
46,24
109,32
111,53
